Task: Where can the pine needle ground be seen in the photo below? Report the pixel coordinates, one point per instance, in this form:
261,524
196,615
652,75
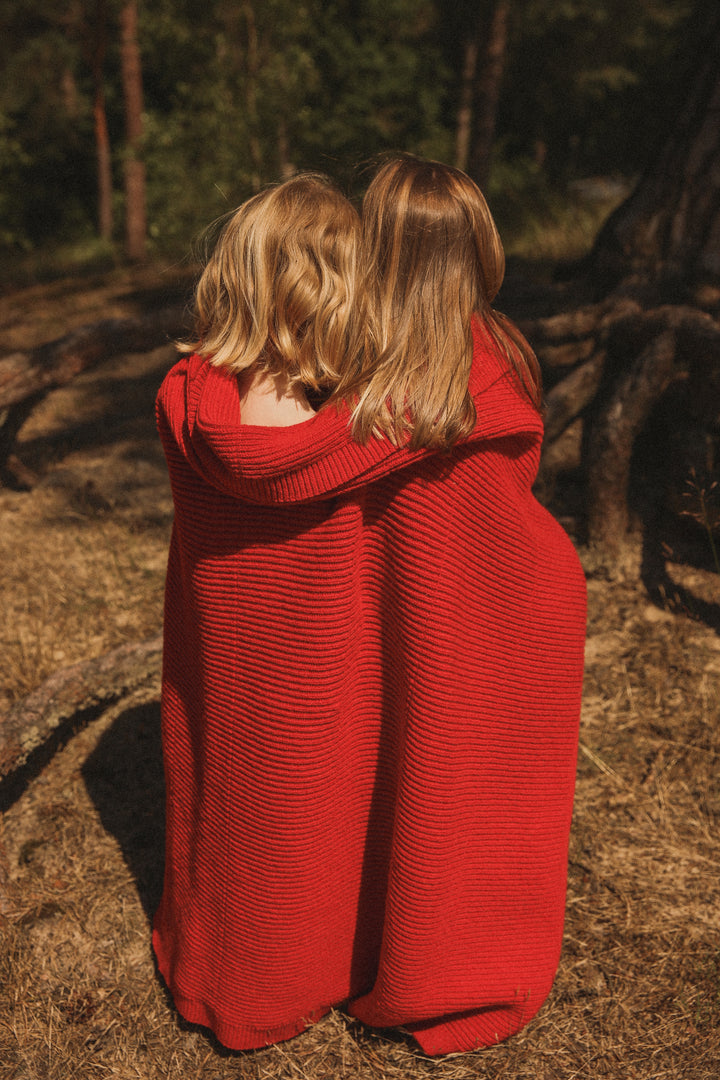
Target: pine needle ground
638,990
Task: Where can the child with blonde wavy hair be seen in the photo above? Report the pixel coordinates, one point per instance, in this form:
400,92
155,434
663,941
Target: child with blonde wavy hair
276,304
275,317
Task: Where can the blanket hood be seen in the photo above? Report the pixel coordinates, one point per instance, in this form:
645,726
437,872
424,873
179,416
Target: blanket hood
198,411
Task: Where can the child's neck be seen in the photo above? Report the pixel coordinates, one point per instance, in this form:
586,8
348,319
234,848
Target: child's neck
267,401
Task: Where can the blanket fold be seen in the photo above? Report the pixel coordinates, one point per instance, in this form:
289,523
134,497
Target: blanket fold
371,690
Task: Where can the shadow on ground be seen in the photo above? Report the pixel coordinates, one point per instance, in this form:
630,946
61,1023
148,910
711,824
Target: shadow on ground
124,778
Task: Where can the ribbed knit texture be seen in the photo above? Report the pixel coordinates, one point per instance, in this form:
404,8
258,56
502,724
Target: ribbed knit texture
370,707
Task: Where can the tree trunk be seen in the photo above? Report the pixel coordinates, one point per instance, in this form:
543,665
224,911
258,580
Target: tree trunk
251,86
135,199
71,98
287,169
465,107
669,228
94,43
487,94
104,166
102,138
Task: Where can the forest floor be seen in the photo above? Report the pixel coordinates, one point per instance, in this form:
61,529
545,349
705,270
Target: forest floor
81,845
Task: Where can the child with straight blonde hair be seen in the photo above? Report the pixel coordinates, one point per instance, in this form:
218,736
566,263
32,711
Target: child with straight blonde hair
434,262
373,632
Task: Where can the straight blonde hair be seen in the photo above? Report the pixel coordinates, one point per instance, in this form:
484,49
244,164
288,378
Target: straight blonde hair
278,291
432,260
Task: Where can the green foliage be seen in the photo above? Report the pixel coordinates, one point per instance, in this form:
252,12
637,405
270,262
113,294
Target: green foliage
14,161
46,144
267,88
539,223
240,92
382,80
587,77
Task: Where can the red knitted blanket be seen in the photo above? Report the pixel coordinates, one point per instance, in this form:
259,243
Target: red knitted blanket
371,694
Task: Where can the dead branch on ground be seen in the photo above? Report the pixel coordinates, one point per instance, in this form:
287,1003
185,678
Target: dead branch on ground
72,690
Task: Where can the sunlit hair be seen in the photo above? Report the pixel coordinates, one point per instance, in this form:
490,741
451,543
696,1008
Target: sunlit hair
278,289
433,259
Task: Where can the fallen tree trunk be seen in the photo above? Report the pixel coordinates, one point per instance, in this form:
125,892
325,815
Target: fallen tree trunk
32,721
570,328
624,364
25,378
571,395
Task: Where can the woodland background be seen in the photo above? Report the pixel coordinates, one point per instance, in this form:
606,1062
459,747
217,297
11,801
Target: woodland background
213,98
125,129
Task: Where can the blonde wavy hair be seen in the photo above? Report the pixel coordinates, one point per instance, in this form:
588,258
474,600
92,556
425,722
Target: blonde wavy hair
433,259
278,290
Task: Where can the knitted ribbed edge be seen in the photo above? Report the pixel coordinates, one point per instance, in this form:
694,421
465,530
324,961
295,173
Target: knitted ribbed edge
316,458
237,1036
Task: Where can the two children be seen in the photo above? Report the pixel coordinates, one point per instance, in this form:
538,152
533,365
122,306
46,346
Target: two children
373,632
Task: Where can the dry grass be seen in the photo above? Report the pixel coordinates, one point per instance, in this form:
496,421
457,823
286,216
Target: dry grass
84,556
638,991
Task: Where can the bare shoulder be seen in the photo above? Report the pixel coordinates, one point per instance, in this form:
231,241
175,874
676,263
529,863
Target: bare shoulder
267,402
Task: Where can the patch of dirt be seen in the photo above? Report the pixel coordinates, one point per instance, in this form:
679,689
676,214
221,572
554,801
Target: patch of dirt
41,313
638,990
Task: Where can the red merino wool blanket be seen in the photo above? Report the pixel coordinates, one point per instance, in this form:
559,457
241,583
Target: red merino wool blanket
370,707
